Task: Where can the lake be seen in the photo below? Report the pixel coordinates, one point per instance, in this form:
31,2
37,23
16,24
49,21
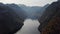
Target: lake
30,27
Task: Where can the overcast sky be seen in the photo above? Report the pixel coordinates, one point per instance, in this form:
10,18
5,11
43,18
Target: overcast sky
29,2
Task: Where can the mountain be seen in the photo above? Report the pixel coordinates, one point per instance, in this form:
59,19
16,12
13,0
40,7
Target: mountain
50,20
18,10
34,12
40,11
10,21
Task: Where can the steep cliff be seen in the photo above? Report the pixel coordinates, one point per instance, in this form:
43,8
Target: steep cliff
49,18
10,22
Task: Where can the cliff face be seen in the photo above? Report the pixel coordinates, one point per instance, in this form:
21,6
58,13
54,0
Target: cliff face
10,22
53,26
50,19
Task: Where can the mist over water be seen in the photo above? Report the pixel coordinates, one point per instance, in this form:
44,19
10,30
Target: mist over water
30,27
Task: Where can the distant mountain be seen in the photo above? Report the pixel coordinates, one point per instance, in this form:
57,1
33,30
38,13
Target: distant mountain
29,9
40,11
34,12
18,10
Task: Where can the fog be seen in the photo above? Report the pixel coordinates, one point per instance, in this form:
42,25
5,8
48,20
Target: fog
30,27
29,2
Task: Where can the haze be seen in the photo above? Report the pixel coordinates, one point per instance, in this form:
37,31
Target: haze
29,2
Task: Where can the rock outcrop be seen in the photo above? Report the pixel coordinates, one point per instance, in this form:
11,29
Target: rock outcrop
10,22
50,20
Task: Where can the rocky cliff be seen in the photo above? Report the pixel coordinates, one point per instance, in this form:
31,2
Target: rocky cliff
50,20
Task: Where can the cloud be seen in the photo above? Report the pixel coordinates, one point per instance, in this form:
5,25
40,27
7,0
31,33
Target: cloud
29,2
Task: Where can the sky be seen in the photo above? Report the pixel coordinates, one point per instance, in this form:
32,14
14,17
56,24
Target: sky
29,2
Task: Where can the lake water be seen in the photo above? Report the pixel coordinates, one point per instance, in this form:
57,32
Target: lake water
30,27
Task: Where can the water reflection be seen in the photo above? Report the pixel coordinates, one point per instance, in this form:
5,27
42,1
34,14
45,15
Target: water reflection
30,27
